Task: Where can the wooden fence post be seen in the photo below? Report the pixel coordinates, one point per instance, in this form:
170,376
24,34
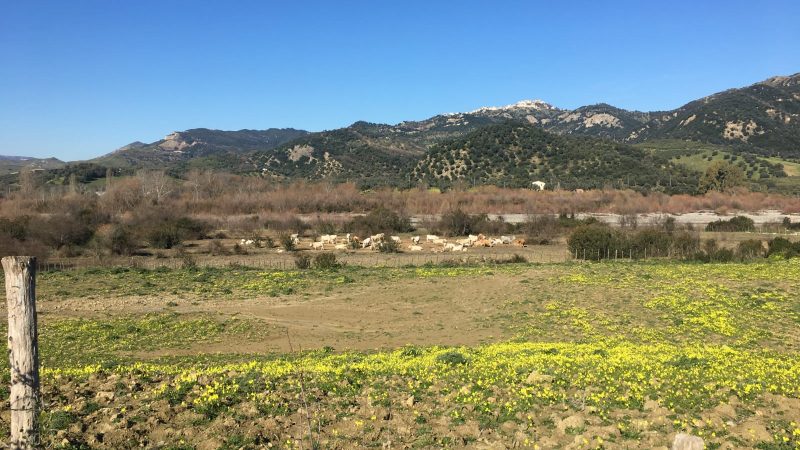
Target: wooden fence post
23,350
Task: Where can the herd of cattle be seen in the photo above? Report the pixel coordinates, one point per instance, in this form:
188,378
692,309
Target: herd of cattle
414,243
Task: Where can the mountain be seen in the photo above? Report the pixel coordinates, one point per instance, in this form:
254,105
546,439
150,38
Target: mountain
757,127
199,147
515,153
763,118
12,164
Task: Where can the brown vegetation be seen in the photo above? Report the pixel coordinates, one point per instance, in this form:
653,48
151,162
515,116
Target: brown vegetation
154,210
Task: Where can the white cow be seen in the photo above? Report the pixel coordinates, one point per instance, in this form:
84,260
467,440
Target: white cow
366,242
415,239
415,248
318,245
395,238
431,237
539,185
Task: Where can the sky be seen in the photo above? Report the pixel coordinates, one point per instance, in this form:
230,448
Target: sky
79,79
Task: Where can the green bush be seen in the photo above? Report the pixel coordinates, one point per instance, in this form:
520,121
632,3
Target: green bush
738,223
379,220
120,241
325,261
459,223
452,358
173,231
685,244
650,242
751,248
164,237
593,242
302,261
286,242
723,255
783,247
389,246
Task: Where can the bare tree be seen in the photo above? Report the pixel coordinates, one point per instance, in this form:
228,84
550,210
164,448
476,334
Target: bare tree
204,184
156,184
27,182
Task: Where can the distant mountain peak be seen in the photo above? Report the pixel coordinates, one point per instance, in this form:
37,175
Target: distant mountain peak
784,81
522,104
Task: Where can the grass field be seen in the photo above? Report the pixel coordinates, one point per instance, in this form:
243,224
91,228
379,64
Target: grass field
608,355
698,156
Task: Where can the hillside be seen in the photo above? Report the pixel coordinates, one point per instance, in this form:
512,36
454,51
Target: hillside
199,147
13,164
763,118
514,154
349,154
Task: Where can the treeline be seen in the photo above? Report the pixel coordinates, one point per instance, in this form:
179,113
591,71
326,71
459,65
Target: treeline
595,241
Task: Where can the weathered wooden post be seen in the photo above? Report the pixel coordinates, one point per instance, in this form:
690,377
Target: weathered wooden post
23,350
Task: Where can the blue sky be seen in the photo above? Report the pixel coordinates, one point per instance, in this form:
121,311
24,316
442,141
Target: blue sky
81,78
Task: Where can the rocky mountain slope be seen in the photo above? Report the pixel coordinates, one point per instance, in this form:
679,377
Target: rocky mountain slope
763,118
213,148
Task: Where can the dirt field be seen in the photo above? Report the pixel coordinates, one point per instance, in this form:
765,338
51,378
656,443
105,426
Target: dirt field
567,355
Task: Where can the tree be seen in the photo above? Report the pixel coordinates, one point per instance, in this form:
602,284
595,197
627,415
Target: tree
156,184
721,176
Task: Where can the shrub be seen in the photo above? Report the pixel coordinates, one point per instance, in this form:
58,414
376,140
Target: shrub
380,220
169,232
61,230
542,230
593,242
13,247
787,223
515,259
722,255
188,261
302,261
325,227
389,246
325,261
164,237
452,358
650,242
738,223
286,242
751,248
783,247
685,244
459,223
120,241
669,224
16,227
217,248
